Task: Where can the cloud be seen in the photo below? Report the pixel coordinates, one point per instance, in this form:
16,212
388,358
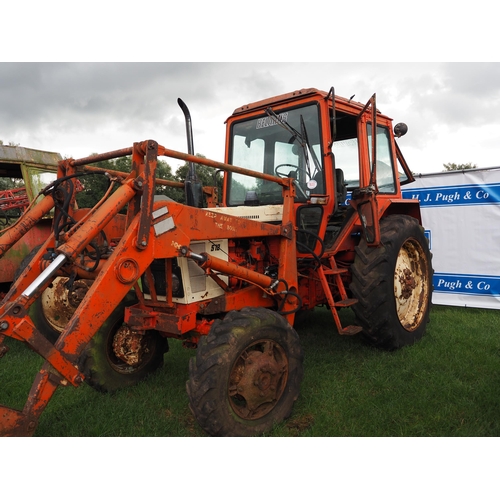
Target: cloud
79,108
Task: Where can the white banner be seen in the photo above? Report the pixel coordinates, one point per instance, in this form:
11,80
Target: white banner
461,215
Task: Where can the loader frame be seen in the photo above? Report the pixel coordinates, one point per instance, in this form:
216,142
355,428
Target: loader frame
142,242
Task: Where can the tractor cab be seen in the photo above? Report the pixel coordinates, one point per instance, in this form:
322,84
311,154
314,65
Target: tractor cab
333,148
284,143
286,136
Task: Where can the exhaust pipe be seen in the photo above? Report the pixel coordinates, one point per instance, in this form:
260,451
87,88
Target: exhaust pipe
192,185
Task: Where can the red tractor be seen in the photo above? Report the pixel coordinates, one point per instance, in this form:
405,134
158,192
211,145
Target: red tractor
310,214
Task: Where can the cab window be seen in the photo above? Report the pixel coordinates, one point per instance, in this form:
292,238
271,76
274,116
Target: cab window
385,162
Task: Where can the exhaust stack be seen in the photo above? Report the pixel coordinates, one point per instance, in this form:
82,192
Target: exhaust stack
192,185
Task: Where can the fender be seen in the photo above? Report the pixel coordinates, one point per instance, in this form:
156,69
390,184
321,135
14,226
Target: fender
400,206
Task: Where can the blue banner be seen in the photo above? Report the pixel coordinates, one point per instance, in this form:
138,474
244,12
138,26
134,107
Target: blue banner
468,284
471,194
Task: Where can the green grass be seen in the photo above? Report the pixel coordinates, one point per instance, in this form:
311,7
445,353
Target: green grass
448,384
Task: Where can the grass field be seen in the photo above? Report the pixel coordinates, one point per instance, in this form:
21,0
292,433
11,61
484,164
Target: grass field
446,385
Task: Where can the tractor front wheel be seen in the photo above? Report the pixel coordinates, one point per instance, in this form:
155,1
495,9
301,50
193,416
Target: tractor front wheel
246,375
393,284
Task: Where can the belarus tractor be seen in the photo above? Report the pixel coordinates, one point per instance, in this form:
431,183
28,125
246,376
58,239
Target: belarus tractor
310,214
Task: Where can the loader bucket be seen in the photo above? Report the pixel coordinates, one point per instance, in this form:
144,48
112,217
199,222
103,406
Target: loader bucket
14,423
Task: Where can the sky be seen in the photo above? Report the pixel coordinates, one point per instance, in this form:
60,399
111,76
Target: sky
452,109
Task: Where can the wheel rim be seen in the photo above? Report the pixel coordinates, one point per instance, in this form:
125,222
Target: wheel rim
128,351
258,379
59,304
411,284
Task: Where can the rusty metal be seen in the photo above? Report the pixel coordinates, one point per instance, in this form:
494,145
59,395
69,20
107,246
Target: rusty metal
24,423
13,198
21,327
25,223
148,192
60,303
127,271
124,175
258,379
3,348
411,289
15,155
119,153
128,345
98,221
206,261
180,321
372,102
365,202
12,258
407,283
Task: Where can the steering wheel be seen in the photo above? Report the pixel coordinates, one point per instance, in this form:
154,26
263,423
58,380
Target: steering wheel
284,175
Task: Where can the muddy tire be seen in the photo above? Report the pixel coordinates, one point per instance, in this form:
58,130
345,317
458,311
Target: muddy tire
393,284
246,375
104,371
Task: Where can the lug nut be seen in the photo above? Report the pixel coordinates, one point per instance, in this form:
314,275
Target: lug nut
4,325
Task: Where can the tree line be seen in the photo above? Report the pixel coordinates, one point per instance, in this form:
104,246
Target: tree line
95,185
448,167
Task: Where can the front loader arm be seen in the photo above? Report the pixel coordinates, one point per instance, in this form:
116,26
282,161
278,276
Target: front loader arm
15,322
118,275
153,231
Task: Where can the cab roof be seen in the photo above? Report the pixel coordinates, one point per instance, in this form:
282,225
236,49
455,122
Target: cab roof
295,95
18,154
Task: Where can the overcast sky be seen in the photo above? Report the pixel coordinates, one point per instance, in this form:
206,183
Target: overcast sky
452,109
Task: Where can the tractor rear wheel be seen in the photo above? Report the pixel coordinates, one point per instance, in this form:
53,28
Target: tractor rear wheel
393,284
52,311
114,359
246,375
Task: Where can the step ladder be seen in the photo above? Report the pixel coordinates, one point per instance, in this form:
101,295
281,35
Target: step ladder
333,270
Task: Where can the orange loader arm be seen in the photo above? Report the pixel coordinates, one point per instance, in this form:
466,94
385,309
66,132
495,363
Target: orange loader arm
142,241
60,368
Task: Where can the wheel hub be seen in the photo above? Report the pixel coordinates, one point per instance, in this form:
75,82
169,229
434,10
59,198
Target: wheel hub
258,380
128,345
407,282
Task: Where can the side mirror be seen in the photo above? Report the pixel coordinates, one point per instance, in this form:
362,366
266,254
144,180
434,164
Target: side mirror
400,129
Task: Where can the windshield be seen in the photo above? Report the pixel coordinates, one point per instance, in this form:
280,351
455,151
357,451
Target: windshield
285,144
